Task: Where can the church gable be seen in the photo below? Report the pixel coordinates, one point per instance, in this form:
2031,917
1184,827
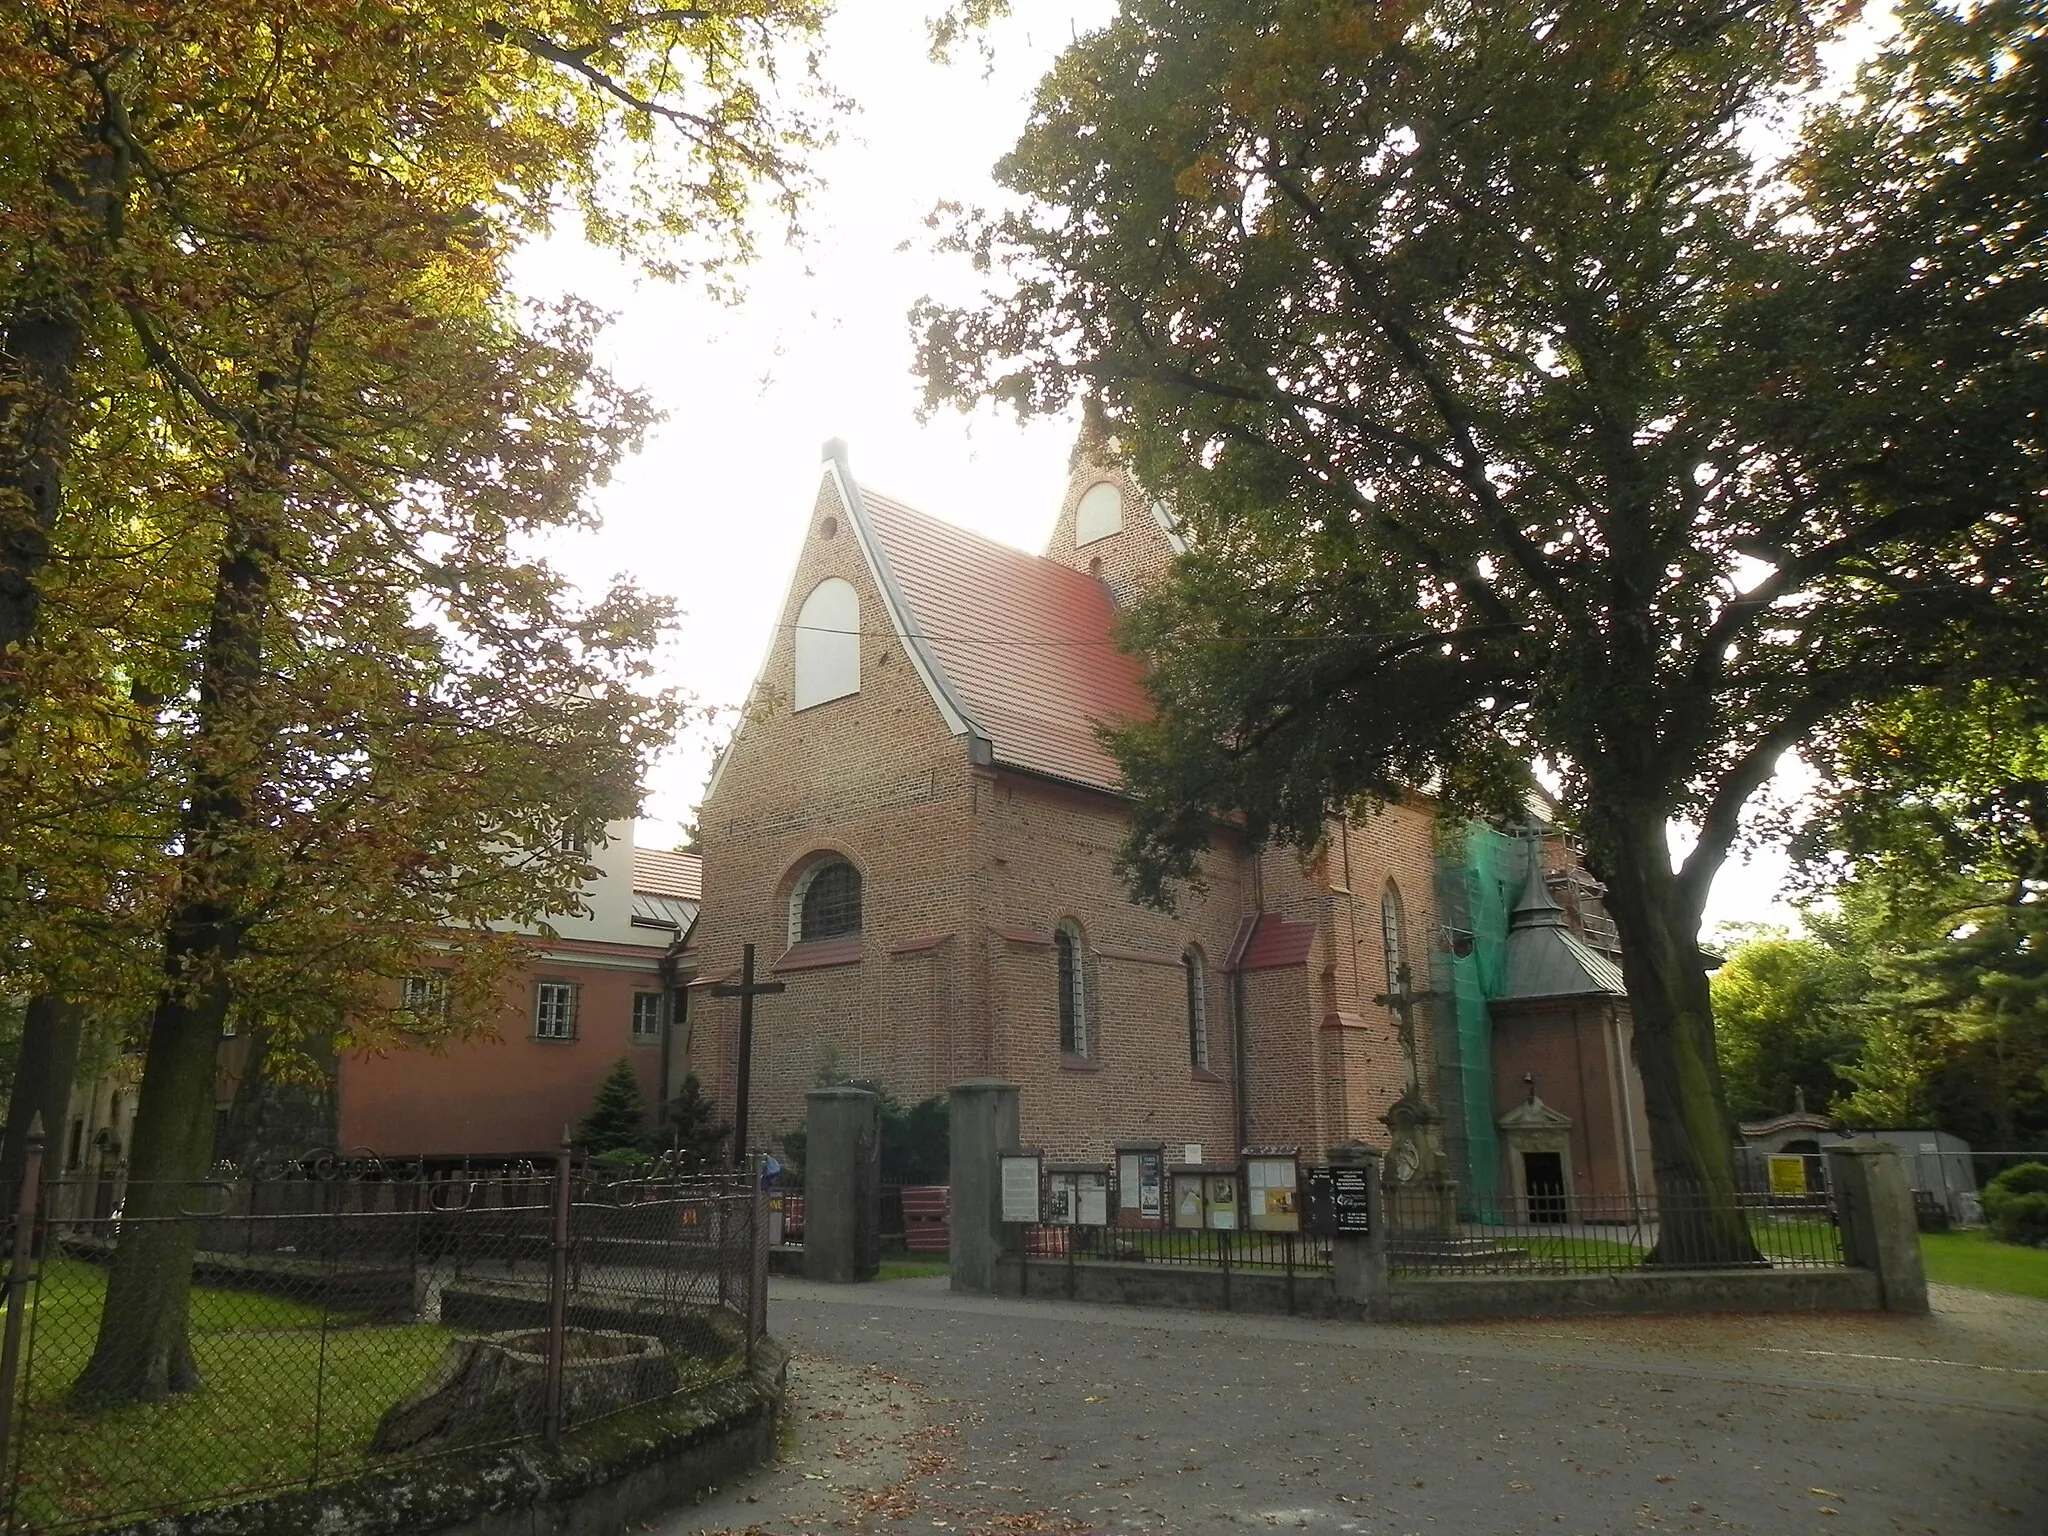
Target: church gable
839,698
1110,530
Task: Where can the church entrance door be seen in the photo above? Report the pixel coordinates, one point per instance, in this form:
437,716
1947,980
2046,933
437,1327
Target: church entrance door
1543,1178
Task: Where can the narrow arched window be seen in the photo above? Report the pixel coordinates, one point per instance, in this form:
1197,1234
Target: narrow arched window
1393,939
826,902
1066,945
1198,1008
827,663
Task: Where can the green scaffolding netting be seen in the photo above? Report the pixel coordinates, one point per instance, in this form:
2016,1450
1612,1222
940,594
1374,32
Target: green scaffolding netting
1477,870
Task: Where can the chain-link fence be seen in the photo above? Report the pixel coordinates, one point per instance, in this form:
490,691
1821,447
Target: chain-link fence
345,1317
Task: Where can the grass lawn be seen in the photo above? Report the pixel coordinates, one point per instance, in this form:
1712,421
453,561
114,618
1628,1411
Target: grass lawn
258,1422
914,1266
1980,1261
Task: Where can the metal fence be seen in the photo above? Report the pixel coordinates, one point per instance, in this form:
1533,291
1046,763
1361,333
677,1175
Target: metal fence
1436,1233
1606,1234
347,1317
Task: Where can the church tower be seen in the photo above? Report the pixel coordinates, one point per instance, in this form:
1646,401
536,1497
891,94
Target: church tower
1108,528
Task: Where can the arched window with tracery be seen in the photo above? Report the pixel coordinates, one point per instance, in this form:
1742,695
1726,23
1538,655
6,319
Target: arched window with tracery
1198,1007
826,901
1073,985
1393,936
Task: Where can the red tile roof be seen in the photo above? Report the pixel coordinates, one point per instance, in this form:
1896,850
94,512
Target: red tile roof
1027,644
668,872
1276,943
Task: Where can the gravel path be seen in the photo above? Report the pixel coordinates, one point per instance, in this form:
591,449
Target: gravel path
918,1411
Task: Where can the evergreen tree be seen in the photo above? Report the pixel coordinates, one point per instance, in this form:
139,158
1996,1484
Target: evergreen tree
617,1121
693,1119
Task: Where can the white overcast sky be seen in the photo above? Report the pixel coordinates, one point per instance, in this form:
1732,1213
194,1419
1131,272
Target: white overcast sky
711,512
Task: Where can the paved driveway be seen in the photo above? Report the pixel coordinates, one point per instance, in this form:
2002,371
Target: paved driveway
919,1411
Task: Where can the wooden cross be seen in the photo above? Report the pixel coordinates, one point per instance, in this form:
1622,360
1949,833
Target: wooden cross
747,990
1402,1001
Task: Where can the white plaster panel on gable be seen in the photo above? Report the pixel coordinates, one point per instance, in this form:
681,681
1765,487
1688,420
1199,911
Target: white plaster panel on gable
827,648
1099,514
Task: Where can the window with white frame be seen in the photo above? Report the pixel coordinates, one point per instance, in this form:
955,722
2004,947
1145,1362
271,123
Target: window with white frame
1073,985
646,1017
826,902
1198,1008
425,996
554,1010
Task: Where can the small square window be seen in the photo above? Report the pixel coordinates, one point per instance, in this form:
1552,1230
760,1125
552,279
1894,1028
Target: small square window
554,1010
646,1017
425,997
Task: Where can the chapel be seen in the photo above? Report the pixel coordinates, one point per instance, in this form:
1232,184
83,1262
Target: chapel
915,822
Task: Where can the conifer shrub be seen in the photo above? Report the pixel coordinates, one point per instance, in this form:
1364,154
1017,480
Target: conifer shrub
2016,1204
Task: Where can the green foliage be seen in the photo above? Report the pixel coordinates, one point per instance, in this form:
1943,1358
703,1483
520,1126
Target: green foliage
1930,834
699,1132
617,1122
916,1142
1783,1025
1513,410
2016,1204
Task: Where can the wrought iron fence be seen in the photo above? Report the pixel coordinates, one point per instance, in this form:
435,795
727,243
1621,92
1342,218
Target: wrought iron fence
1435,1232
1578,1233
1197,1249
344,1317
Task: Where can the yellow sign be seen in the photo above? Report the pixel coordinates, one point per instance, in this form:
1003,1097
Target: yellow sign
1788,1175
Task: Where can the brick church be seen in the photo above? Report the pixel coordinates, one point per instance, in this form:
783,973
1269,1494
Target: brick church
914,825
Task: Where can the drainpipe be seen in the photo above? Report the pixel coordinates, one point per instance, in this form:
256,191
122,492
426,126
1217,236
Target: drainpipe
668,1022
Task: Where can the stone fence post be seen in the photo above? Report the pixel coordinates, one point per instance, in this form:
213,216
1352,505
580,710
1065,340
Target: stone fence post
1879,1232
1360,1262
842,1184
984,1124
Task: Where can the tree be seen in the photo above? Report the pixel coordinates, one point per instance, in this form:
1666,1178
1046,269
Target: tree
1930,832
157,161
617,1121
693,1119
274,245
1783,1023
1514,408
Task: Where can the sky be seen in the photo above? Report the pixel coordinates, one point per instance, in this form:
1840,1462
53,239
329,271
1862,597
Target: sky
710,513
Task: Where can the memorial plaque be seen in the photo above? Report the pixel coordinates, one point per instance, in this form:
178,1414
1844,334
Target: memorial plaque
1021,1187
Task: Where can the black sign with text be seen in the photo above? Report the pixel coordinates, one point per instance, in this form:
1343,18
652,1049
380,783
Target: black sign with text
1339,1201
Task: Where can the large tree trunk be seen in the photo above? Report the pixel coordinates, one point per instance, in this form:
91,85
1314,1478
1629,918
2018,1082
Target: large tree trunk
144,1350
43,1076
1692,1140
38,360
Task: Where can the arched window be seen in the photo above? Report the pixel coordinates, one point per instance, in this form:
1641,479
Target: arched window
1393,939
827,644
1073,985
826,902
1099,513
1198,1007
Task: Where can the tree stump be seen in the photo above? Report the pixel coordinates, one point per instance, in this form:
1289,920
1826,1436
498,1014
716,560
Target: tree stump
494,1387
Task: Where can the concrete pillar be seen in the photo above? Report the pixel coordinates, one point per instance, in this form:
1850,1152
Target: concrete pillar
1875,1204
1360,1263
984,1124
842,1184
